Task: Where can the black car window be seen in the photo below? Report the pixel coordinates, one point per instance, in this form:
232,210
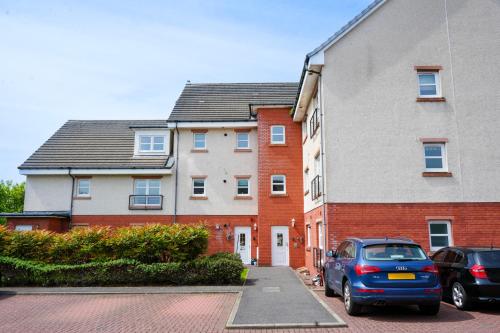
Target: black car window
340,250
450,257
350,251
439,256
459,257
489,258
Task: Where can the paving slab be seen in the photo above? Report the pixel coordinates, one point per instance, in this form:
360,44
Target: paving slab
119,290
276,297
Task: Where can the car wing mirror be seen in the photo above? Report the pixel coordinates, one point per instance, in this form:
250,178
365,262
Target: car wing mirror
331,254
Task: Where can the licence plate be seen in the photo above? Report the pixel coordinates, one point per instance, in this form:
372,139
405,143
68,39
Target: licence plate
401,276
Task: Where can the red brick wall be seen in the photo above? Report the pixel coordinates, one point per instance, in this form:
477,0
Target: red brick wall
311,218
287,160
218,241
472,224
47,223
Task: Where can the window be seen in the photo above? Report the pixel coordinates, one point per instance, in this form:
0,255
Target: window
278,184
308,235
316,185
428,84
24,227
439,234
147,192
83,188
200,140
243,186
242,140
314,122
306,181
390,252
320,235
435,157
151,143
278,134
199,187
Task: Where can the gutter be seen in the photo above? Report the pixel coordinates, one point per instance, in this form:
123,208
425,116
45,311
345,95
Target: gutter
71,198
301,82
176,173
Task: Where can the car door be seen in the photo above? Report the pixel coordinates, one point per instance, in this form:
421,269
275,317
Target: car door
344,259
438,259
447,269
336,277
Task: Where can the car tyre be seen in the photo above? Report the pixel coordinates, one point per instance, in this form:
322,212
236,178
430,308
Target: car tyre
429,309
329,292
459,296
352,309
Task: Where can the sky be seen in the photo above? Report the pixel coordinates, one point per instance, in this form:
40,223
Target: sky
120,59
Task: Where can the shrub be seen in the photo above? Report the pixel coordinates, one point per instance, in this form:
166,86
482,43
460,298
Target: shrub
32,245
211,270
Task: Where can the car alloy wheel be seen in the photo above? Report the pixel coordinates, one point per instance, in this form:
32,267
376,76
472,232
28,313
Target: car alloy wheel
347,296
458,295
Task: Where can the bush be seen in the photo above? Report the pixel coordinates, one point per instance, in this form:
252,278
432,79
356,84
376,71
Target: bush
211,270
148,244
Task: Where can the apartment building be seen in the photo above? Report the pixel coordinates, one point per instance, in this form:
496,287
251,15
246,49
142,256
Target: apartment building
391,131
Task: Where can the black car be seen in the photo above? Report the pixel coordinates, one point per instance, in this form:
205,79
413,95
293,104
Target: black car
469,275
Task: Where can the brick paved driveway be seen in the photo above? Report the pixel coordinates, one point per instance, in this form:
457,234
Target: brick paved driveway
206,313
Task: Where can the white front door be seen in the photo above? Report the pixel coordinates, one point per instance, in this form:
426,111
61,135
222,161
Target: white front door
279,238
242,243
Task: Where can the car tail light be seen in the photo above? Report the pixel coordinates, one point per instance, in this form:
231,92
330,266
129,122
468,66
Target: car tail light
478,271
430,269
365,269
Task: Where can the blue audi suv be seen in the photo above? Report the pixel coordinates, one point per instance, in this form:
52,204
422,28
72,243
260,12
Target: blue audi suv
380,271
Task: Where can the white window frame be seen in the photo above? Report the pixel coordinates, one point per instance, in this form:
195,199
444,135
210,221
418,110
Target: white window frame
238,140
151,134
437,80
319,224
443,156
204,187
204,140
308,230
24,227
148,186
272,135
449,234
284,184
238,187
78,186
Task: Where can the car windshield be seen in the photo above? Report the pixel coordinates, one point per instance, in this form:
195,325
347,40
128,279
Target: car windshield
489,258
394,252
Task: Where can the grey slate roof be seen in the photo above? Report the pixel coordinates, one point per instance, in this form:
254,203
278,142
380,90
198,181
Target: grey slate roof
94,144
229,101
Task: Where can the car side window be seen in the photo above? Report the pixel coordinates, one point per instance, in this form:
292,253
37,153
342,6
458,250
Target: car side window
340,250
450,257
459,257
439,256
350,251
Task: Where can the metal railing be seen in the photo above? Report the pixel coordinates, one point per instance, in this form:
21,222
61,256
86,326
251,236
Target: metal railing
317,257
316,188
314,123
145,202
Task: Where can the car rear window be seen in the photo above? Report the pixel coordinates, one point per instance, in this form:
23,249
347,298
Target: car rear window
393,252
489,258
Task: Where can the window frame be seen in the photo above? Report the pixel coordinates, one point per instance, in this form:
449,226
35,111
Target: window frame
152,144
238,186
449,234
437,83
204,134
238,140
308,231
204,194
314,123
284,185
272,135
443,157
78,186
320,231
147,192
24,227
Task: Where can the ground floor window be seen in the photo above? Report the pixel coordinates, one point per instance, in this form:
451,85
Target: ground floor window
308,235
439,234
24,227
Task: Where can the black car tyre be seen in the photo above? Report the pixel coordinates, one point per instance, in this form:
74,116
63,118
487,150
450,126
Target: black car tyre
459,296
352,309
329,292
429,309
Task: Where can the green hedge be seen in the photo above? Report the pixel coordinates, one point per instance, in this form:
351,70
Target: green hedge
219,269
148,244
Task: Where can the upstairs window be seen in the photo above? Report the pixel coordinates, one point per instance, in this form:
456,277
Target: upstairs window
147,192
200,140
242,140
151,143
199,187
243,187
429,85
314,122
435,157
278,184
278,134
83,187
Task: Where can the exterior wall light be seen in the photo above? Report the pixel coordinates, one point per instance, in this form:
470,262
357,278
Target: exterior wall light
255,226
293,222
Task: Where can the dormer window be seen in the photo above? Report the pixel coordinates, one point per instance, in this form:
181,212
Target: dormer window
152,143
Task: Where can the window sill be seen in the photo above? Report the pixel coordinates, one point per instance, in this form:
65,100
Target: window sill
431,99
243,197
436,174
306,192
82,198
199,150
278,145
242,150
193,197
284,195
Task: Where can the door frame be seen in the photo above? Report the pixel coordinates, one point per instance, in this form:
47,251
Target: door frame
287,244
248,232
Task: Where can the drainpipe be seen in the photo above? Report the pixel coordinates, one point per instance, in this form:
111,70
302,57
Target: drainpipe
71,198
176,172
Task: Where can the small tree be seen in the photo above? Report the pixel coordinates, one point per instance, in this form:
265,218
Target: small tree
11,198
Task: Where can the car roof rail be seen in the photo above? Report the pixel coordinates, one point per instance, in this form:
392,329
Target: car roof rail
403,238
